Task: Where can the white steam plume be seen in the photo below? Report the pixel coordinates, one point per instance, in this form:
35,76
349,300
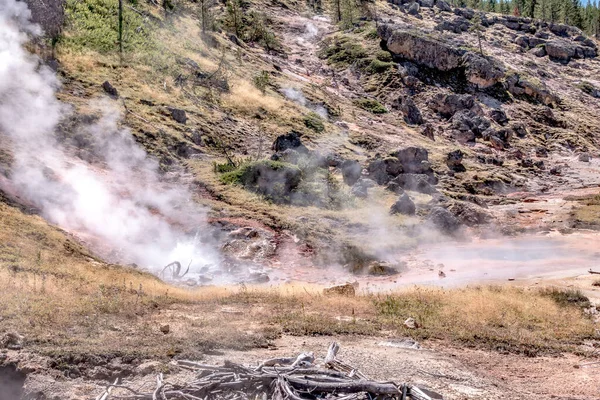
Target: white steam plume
120,201
298,97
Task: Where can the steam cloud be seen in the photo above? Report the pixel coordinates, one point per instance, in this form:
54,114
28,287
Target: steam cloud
297,96
119,200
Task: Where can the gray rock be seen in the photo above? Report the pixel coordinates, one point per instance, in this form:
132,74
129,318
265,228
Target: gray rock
443,6
560,51
539,51
110,90
178,115
499,116
382,170
468,121
351,171
448,104
404,205
584,157
444,220
483,71
420,49
538,91
411,113
290,140
464,12
414,8
428,131
426,3
415,182
454,161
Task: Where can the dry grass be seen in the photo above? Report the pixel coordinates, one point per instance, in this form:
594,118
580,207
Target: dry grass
60,297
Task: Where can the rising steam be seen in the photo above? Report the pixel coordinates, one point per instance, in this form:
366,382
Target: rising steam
120,200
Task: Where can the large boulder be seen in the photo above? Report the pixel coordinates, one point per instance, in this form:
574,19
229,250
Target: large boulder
560,50
443,6
458,25
404,206
420,49
444,220
414,160
448,104
483,71
382,170
290,140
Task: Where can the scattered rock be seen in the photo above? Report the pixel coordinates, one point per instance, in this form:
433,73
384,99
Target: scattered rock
443,6
584,157
499,116
415,182
466,121
361,188
539,51
404,205
469,214
448,104
537,91
414,8
383,170
454,161
110,90
178,115
428,131
165,329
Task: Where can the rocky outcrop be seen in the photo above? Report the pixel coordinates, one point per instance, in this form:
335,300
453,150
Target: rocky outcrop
414,182
457,25
563,51
448,104
519,86
420,49
482,71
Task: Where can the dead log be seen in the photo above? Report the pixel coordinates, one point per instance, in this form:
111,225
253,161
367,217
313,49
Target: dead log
594,272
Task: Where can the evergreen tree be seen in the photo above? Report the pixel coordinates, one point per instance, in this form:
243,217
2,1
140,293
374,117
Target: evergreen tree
573,13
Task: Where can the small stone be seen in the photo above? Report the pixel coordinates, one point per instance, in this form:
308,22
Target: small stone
410,323
165,329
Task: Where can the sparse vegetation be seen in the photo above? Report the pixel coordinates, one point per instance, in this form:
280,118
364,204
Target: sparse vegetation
371,105
342,51
314,121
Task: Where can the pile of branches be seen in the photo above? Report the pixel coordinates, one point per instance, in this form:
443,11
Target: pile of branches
297,378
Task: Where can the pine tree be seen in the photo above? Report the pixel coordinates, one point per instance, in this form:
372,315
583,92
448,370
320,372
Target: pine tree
531,8
573,13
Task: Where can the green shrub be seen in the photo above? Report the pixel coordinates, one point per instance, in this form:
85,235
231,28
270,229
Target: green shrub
94,24
313,121
377,66
372,34
384,56
342,51
566,297
262,80
371,105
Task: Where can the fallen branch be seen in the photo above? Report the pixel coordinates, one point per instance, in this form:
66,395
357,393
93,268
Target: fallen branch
594,272
286,378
